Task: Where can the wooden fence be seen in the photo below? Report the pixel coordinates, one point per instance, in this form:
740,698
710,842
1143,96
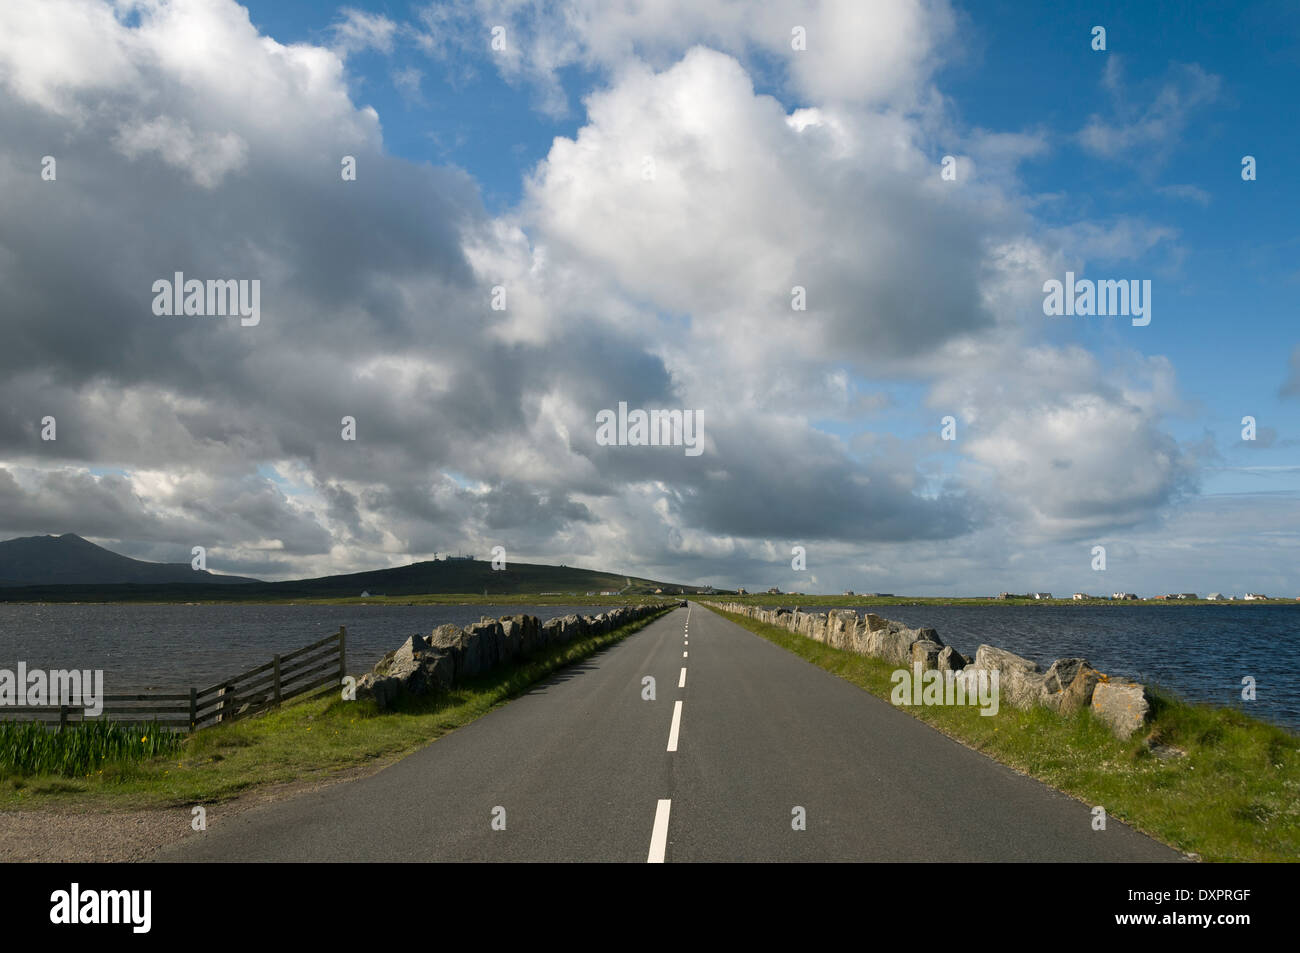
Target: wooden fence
304,671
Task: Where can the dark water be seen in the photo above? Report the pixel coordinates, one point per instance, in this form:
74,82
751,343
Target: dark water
175,647
1200,653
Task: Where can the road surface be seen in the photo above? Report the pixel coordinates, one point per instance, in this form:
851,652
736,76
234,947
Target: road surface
740,734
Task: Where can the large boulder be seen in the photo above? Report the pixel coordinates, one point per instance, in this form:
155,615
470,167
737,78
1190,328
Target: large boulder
950,660
926,654
510,640
451,640
859,638
893,643
474,659
488,632
1078,694
1123,705
1068,685
1061,673
415,668
1020,681
841,626
573,627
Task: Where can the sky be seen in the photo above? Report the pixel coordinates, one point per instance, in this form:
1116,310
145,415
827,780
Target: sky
561,207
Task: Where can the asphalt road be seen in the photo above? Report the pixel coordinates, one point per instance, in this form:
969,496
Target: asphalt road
582,768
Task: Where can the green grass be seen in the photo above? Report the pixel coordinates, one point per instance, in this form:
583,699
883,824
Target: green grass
1234,797
29,748
308,740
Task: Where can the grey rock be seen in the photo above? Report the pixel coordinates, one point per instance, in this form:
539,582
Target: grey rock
926,654
950,660
1020,681
1125,706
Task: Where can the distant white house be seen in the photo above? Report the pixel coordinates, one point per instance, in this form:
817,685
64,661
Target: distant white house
1080,596
1124,595
1253,596
365,595
1215,596
1042,595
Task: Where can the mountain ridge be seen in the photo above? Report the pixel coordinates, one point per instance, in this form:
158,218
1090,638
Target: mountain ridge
429,577
70,559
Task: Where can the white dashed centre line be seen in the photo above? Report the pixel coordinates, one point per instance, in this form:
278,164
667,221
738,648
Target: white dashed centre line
659,836
681,682
684,654
677,726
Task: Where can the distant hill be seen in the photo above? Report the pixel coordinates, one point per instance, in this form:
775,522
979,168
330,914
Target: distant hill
68,568
71,560
463,576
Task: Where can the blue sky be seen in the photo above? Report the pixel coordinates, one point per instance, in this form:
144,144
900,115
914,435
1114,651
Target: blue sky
1225,285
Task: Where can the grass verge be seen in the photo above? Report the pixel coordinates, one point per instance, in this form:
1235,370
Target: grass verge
306,740
1235,796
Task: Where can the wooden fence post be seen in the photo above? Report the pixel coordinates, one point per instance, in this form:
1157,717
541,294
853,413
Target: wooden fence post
343,653
276,661
194,707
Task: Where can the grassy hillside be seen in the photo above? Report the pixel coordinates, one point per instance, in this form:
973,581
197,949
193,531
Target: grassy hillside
444,577
71,560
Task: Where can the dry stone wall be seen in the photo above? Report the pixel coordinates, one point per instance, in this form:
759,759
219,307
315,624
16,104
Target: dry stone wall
432,664
1069,685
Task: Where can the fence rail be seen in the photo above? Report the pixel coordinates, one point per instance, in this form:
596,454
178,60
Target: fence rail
303,671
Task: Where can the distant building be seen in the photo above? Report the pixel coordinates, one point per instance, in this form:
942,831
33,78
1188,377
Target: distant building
1186,595
365,595
1042,595
1080,596
461,559
1215,596
848,592
1004,595
774,591
741,591
1255,596
1124,595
